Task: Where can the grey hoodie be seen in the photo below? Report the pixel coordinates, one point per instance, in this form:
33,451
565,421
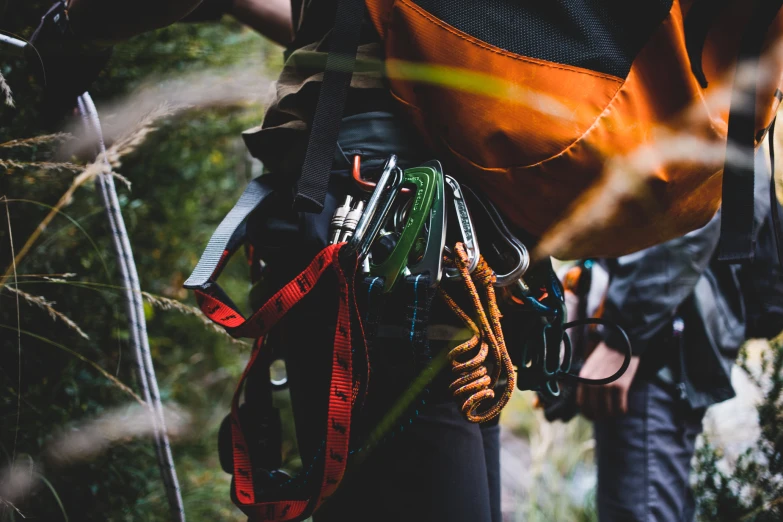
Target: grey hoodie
682,278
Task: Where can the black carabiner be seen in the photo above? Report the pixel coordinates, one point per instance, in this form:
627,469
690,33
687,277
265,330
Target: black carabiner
627,351
544,366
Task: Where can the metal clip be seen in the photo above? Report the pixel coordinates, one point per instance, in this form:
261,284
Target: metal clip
425,179
371,221
432,259
504,248
338,218
467,231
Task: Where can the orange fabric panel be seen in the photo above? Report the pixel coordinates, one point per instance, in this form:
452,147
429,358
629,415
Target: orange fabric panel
541,138
498,100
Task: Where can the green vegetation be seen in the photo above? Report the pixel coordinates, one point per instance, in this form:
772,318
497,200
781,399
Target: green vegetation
750,489
185,176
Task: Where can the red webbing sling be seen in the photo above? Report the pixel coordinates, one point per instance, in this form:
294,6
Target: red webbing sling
215,304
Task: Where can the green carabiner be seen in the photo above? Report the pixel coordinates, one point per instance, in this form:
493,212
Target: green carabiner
431,262
425,180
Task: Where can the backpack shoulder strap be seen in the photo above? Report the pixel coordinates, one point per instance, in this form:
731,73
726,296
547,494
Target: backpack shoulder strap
344,42
774,206
736,228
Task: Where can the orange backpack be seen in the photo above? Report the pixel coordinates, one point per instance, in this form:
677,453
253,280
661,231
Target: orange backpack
589,123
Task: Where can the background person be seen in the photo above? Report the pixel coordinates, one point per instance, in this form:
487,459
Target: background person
685,314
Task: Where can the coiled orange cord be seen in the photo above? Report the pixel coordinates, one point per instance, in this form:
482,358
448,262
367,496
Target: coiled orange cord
474,386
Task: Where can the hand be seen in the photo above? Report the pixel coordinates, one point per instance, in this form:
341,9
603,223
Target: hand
597,402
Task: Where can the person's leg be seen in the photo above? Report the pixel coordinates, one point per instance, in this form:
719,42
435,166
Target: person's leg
644,458
490,434
434,466
433,470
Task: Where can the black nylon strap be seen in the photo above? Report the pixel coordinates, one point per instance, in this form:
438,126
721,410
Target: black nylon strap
737,241
698,23
774,206
344,41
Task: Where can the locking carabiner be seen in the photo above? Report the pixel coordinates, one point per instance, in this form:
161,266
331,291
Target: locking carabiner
432,258
425,180
467,231
504,248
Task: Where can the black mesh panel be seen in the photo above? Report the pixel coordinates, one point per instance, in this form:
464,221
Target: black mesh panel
600,35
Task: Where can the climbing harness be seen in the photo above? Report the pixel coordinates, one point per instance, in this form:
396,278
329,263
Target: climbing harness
391,253
133,300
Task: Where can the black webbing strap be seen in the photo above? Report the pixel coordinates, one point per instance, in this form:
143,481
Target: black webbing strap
343,43
737,241
698,23
229,232
774,206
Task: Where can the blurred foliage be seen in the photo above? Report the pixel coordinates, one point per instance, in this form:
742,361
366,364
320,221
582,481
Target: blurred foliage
750,489
552,472
185,177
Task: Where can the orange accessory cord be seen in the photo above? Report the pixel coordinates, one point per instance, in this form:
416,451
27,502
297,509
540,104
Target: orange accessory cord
473,385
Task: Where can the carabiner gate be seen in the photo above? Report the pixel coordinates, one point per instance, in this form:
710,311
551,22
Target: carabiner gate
504,247
467,231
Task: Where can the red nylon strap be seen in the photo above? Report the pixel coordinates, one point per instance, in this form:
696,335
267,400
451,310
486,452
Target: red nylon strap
262,321
339,411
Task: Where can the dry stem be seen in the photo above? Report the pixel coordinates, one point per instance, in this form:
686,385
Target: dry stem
48,307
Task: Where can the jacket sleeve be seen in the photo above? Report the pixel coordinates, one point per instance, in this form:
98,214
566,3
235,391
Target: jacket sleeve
645,288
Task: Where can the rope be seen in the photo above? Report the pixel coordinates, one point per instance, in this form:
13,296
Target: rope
135,307
474,386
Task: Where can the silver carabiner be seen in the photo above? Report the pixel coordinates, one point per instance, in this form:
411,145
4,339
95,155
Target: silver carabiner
467,231
505,247
376,210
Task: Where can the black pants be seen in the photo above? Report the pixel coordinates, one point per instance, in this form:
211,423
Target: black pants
644,457
440,468
437,466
